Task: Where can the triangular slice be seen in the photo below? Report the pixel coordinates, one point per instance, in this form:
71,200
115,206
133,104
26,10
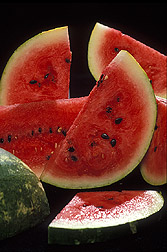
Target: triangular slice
100,216
38,70
154,164
111,133
106,42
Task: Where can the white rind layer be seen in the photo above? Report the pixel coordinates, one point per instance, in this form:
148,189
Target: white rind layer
136,209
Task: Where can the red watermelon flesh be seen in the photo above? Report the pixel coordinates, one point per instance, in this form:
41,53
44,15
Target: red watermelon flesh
38,70
111,133
97,216
32,131
154,164
106,42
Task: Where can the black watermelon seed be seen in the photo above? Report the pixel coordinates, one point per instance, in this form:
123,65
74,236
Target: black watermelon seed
116,49
1,140
46,76
71,149
155,148
113,142
32,132
151,81
100,80
63,132
9,138
93,143
156,127
118,120
108,109
48,157
50,130
105,136
53,78
84,205
118,99
111,198
99,206
74,158
102,77
98,83
40,130
33,82
67,60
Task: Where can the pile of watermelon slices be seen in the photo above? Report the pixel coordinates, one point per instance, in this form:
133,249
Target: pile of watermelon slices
89,141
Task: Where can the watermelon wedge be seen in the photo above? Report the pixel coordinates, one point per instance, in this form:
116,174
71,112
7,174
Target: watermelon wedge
100,216
38,70
32,131
106,42
154,164
112,132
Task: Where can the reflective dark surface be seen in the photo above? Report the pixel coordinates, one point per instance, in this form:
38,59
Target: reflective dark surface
146,23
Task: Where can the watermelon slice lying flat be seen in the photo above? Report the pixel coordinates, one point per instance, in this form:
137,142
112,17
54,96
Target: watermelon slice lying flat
154,164
100,216
106,42
111,133
38,70
32,131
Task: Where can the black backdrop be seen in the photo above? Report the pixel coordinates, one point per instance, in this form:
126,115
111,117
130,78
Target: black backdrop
19,22
145,22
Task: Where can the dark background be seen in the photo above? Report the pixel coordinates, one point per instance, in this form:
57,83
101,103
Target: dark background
144,22
19,22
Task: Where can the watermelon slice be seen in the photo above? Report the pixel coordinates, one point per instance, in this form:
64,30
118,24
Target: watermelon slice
100,216
38,70
154,164
23,202
112,132
106,42
32,131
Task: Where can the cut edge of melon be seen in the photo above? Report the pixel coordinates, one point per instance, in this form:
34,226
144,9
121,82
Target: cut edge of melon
147,176
56,35
86,182
140,213
93,44
80,183
104,228
151,179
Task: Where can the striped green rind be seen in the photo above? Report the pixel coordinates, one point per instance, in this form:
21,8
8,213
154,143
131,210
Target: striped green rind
23,202
90,224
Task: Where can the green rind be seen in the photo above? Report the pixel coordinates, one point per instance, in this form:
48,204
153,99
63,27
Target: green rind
23,202
69,234
94,39
87,235
101,234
